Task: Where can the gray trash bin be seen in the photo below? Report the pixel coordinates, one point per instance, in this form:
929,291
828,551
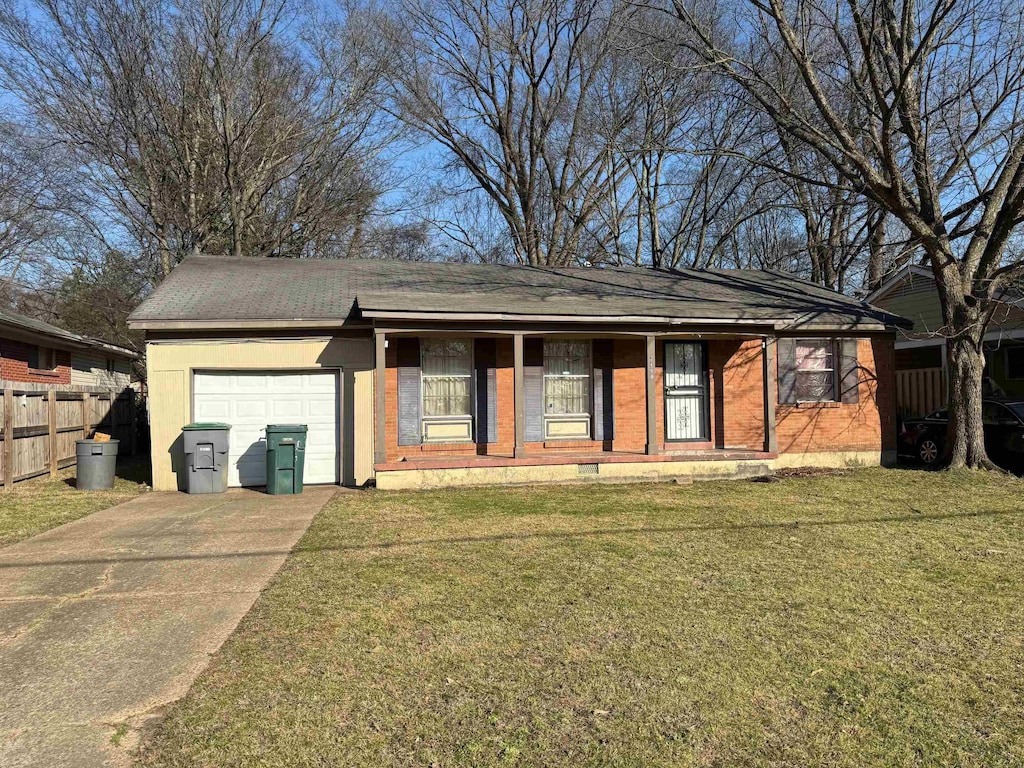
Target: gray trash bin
206,457
96,464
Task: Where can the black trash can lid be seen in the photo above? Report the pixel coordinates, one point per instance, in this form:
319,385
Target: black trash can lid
286,428
195,426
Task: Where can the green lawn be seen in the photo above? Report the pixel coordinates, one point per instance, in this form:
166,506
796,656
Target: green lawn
874,617
34,506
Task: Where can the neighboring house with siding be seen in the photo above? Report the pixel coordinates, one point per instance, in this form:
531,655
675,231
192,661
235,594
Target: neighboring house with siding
922,372
429,374
35,352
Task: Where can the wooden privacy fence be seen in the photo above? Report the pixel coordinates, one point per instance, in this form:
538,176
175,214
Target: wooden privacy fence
920,391
41,425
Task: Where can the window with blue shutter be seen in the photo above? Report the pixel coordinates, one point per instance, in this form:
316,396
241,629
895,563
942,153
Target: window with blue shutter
818,370
485,355
533,389
603,352
407,352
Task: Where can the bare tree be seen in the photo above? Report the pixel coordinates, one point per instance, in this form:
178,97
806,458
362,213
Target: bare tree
209,126
31,178
511,90
687,188
936,138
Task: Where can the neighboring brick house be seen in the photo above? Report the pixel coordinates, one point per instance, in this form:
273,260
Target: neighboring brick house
428,374
40,353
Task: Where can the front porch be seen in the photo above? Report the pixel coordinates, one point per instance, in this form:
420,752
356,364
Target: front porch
570,466
630,404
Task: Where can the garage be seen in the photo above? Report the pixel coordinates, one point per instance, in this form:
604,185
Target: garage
249,400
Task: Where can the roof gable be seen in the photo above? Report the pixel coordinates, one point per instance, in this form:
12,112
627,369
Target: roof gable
910,278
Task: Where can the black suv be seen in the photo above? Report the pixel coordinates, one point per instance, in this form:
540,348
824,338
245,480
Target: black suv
925,439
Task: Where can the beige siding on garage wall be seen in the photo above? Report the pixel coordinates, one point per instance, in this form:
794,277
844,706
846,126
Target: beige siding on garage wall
171,364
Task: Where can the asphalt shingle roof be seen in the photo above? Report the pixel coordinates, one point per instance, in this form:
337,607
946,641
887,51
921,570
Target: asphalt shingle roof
211,288
31,324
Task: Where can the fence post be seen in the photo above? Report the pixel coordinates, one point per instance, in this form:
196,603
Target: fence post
8,438
51,419
133,419
113,414
86,426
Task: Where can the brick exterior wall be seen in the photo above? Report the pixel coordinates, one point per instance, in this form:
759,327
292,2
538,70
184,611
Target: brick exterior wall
629,385
735,379
14,357
737,373
868,425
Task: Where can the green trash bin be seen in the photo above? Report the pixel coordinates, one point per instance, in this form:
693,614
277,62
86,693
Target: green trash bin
286,453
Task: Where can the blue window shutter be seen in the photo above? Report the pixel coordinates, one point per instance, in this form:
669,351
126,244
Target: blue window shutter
533,385
409,402
787,370
604,419
849,383
485,357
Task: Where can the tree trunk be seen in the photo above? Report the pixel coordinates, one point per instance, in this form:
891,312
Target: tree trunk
876,248
966,437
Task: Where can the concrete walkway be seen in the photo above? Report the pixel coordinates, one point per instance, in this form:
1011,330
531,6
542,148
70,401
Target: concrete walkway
106,619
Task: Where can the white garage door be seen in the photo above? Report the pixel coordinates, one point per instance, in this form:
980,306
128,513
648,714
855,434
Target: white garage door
250,401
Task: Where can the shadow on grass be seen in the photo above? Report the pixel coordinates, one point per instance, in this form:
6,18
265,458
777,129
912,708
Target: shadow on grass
913,517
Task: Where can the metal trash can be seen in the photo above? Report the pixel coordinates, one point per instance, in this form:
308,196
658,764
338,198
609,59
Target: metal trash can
286,455
96,463
206,457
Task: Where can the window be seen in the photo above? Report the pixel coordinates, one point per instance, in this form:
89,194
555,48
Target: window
447,366
997,414
42,359
567,378
111,365
1015,362
815,370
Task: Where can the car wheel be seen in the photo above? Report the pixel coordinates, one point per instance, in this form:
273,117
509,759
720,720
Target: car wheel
928,451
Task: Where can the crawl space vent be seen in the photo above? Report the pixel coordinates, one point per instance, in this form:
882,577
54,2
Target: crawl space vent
586,469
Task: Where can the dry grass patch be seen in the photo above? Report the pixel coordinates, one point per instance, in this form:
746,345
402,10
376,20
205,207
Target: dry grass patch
869,618
37,505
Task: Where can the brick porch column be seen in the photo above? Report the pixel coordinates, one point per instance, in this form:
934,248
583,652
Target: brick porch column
771,444
652,402
519,396
379,411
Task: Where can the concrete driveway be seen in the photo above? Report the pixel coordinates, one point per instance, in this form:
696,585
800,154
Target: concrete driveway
106,619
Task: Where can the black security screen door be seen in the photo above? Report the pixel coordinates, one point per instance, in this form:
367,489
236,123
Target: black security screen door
686,392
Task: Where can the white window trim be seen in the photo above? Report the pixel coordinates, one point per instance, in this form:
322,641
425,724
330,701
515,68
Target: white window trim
550,419
469,418
835,349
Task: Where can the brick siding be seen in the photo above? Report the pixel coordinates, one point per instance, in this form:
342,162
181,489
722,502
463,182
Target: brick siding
735,379
14,357
867,425
737,370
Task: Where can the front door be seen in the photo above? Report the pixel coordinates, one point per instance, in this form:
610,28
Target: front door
686,392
